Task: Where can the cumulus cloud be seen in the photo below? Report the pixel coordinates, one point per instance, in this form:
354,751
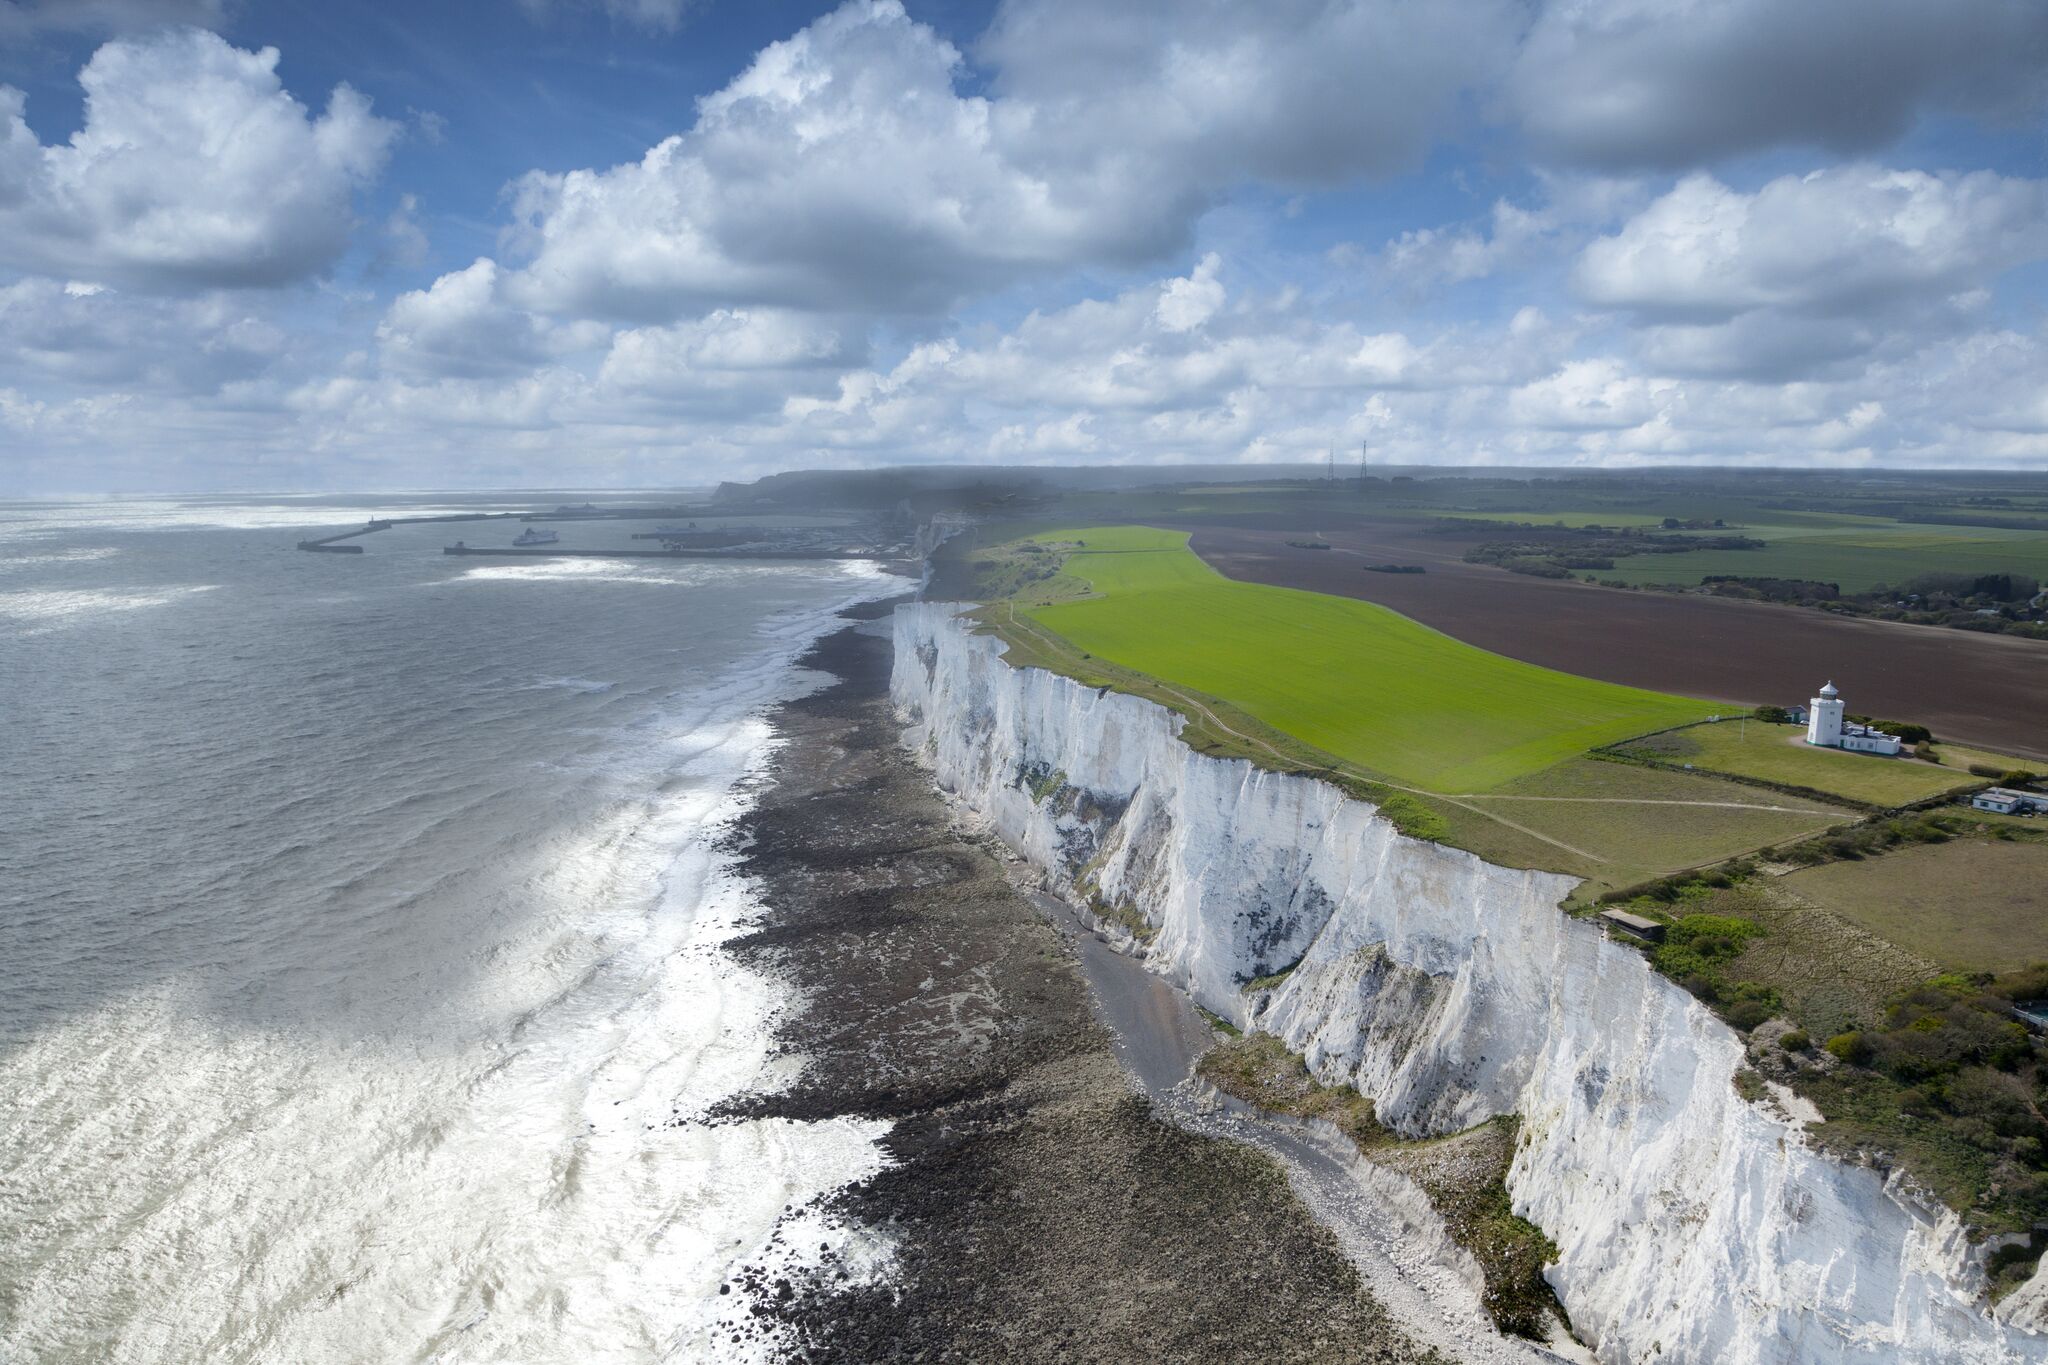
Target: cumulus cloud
840,170
1136,374
81,334
729,341
780,282
1836,241
1675,83
1767,346
844,169
1181,95
1812,270
1261,376
1511,238
1598,394
729,363
1188,303
461,326
194,168
2006,374
1436,255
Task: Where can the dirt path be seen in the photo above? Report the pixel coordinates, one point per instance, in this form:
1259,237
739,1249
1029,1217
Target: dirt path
1641,801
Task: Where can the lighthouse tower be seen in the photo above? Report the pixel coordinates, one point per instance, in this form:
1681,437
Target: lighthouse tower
1824,718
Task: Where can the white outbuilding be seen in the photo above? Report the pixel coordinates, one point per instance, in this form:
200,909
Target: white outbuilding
1826,729
2006,801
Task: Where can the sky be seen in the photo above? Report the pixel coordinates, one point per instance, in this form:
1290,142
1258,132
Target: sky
336,244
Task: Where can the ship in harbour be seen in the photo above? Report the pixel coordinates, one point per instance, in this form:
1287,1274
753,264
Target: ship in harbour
533,536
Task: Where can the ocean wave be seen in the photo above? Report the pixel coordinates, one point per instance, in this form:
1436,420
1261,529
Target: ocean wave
534,1181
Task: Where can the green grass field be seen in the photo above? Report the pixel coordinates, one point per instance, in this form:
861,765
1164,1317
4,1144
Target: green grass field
1856,553
1353,679
1641,823
1961,757
1974,905
1853,549
1779,753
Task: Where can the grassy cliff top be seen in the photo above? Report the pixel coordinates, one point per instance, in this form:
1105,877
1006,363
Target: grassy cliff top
1922,1070
1351,678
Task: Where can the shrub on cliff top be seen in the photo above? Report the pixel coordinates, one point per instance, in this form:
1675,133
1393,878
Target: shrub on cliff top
1695,945
1849,1047
1413,818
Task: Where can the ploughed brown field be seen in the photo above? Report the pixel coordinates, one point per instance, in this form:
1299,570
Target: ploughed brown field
1982,690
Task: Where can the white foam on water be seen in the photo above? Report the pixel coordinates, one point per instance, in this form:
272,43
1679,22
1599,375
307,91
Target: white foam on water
47,608
561,570
573,684
648,573
27,519
539,1181
78,555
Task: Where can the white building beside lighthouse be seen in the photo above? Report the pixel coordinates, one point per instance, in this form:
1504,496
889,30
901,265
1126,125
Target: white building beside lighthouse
1826,729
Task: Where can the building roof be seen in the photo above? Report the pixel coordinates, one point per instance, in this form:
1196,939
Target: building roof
1828,690
1635,924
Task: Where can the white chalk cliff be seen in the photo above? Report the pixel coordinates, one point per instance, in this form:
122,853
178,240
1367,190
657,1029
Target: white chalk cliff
1691,1225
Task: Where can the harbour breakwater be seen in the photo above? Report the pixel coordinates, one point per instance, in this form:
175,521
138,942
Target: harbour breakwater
332,544
1691,1224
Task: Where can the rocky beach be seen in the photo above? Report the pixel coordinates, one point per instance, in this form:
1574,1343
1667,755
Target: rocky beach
1035,1207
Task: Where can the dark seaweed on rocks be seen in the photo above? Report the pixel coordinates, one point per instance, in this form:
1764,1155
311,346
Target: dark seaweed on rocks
1039,1211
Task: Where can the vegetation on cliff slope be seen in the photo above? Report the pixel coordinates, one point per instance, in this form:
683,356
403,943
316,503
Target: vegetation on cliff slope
1464,1174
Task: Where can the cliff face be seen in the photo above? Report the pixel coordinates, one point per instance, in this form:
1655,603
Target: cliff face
1691,1225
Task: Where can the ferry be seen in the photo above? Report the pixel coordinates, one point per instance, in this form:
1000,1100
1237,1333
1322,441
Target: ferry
534,537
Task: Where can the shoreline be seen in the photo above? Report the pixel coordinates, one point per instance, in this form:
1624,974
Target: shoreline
1036,1207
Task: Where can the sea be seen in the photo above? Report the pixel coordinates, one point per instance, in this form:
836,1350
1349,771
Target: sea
362,995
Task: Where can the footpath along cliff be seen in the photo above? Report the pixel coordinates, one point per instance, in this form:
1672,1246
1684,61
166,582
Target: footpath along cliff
1691,1225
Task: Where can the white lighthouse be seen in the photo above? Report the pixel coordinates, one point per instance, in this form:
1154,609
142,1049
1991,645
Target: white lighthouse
1826,729
1824,718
